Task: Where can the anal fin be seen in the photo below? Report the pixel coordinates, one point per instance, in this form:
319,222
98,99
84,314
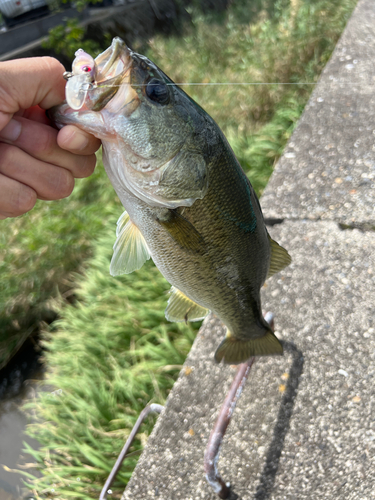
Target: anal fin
181,308
130,250
233,350
279,258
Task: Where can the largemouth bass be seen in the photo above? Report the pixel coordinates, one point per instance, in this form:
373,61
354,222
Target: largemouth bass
188,203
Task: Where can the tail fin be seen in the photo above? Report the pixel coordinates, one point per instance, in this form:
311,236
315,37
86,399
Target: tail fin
233,350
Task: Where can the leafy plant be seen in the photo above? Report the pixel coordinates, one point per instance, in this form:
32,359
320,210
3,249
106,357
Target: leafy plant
66,38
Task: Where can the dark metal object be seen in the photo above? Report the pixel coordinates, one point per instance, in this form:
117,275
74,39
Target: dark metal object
153,408
211,456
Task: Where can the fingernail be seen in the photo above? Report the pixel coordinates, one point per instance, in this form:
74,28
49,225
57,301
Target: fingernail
11,131
77,141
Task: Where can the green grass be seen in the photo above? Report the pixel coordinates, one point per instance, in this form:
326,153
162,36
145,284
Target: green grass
39,252
285,42
109,355
112,351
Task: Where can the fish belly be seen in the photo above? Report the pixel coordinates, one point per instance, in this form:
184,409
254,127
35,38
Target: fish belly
226,275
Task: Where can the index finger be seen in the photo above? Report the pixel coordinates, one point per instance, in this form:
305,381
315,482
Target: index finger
29,82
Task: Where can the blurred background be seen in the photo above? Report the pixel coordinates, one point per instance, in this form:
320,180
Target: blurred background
81,352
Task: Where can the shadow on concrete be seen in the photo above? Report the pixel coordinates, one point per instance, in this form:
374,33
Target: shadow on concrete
281,428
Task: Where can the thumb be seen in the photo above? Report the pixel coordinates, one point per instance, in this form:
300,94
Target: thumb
29,82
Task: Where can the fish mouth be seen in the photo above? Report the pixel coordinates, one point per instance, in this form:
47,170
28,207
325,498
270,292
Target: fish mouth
113,61
94,82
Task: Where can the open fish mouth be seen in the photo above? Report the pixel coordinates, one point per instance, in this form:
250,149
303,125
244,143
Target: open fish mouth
93,82
113,61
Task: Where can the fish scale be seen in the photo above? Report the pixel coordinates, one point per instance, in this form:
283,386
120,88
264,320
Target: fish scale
189,204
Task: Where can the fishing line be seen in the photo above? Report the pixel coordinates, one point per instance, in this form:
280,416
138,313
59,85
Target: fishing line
213,83
91,86
252,83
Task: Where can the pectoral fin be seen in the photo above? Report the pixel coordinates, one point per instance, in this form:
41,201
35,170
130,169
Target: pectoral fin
181,308
130,250
279,258
183,232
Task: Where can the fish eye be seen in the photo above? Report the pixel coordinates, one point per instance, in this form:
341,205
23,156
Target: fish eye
157,91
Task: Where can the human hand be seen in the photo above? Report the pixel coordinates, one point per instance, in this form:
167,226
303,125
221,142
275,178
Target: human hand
36,160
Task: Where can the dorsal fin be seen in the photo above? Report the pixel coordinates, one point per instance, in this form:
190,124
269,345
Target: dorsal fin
279,258
130,250
181,308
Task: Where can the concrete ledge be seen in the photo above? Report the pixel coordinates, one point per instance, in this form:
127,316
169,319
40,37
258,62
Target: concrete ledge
304,435
327,170
304,426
